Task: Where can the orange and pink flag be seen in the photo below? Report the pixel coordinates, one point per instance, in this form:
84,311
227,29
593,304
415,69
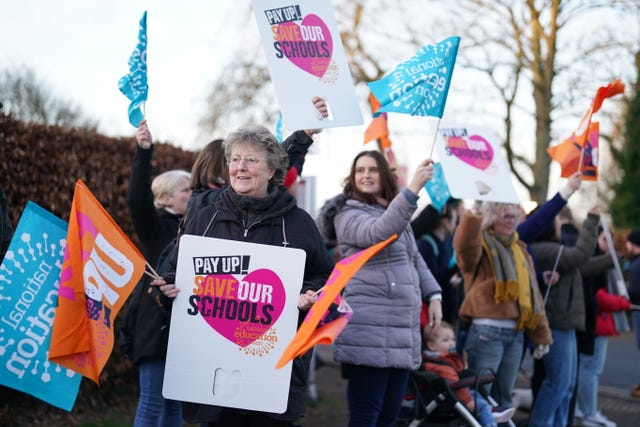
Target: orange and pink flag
378,128
614,88
569,154
330,314
101,267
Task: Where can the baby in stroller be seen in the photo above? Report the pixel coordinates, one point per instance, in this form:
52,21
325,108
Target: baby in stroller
440,358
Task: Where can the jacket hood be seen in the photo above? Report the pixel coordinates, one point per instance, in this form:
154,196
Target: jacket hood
324,221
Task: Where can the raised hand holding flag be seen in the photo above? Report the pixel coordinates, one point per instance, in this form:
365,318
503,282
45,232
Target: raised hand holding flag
134,85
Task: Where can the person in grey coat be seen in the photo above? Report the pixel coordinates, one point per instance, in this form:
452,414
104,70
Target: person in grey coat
382,342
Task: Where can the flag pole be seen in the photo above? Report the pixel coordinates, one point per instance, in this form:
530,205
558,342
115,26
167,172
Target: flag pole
151,272
581,159
622,288
555,267
435,135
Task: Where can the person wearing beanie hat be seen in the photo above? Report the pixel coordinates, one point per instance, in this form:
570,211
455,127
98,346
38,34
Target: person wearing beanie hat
633,246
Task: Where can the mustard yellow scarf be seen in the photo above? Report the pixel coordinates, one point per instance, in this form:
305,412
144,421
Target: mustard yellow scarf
514,277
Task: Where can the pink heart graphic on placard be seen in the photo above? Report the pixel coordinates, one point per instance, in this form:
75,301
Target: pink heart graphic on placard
241,311
308,46
473,150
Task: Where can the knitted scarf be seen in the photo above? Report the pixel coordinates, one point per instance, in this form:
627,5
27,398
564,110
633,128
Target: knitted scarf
514,278
250,208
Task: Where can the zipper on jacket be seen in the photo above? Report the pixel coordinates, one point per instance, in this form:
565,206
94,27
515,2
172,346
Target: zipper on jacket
248,227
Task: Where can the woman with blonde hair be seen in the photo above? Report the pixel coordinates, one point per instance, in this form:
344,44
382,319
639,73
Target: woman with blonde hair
502,301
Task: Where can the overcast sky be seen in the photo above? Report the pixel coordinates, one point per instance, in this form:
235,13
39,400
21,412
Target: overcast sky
80,49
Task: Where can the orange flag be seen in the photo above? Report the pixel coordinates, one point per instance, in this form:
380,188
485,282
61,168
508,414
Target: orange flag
100,269
378,128
309,335
614,88
568,153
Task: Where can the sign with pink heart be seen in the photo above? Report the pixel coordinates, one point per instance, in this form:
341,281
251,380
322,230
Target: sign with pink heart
306,59
473,164
234,316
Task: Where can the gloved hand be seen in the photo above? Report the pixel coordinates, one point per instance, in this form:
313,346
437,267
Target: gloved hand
540,351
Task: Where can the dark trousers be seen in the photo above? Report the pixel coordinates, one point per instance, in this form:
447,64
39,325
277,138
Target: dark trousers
374,395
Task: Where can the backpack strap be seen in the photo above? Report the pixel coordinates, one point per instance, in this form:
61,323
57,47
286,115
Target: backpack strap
434,245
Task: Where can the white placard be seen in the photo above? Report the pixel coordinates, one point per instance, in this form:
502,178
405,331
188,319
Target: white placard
306,59
232,320
474,165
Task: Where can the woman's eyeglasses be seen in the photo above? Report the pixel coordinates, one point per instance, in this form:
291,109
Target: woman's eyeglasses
250,160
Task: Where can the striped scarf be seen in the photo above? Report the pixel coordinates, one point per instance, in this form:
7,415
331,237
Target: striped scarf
514,277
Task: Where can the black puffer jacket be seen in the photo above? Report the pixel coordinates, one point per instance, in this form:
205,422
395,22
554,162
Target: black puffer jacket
282,222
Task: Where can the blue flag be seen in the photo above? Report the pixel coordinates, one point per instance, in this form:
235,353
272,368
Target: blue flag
437,188
134,85
278,131
420,85
29,281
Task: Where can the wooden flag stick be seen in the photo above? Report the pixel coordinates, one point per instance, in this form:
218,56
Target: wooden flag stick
152,273
435,136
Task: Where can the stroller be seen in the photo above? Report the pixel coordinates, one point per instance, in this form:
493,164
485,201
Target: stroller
431,400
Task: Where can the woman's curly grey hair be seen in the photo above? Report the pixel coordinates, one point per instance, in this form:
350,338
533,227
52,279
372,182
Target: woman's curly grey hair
260,137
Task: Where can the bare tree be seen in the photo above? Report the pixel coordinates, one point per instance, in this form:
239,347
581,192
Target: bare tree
544,61
523,65
26,97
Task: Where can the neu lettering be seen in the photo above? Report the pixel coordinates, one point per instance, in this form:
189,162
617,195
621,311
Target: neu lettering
106,268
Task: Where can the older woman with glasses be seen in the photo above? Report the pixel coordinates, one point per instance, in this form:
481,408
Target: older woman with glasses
257,208
502,299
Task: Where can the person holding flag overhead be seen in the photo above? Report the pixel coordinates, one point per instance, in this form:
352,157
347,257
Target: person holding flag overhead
565,309
156,207
502,300
381,344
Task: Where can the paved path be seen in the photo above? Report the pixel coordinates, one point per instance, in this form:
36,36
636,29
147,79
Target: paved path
621,373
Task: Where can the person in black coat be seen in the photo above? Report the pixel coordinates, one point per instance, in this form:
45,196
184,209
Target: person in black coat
257,208
156,207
